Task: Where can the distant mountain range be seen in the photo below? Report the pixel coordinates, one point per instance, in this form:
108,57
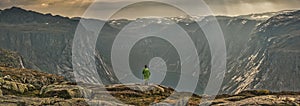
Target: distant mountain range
263,16
262,49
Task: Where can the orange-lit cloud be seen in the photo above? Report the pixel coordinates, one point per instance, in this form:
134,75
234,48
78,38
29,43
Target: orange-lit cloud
74,8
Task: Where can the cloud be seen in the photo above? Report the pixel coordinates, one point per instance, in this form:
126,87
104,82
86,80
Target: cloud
62,7
73,8
153,9
238,7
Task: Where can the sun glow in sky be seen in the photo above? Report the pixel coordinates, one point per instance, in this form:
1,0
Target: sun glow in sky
76,8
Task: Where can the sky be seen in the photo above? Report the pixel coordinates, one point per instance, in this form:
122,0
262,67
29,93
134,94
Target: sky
77,8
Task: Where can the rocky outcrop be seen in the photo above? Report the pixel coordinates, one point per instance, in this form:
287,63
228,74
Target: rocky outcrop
119,95
258,97
24,81
63,90
134,94
23,87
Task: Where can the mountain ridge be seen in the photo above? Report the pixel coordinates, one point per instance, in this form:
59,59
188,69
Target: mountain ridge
21,10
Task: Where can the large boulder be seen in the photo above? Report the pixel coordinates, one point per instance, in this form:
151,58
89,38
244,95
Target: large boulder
11,87
62,90
144,89
1,93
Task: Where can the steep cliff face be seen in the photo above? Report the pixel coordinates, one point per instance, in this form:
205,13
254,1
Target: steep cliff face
236,33
271,60
44,40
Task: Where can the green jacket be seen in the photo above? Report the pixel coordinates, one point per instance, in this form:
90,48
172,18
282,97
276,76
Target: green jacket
146,73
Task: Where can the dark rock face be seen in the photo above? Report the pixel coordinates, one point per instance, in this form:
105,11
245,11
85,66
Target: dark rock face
17,15
42,39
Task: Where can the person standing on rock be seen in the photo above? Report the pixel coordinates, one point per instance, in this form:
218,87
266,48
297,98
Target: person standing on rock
146,73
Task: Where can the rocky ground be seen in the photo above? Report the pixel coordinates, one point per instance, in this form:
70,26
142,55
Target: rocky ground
20,87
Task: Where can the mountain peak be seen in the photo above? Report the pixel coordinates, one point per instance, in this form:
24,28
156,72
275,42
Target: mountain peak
15,9
18,15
